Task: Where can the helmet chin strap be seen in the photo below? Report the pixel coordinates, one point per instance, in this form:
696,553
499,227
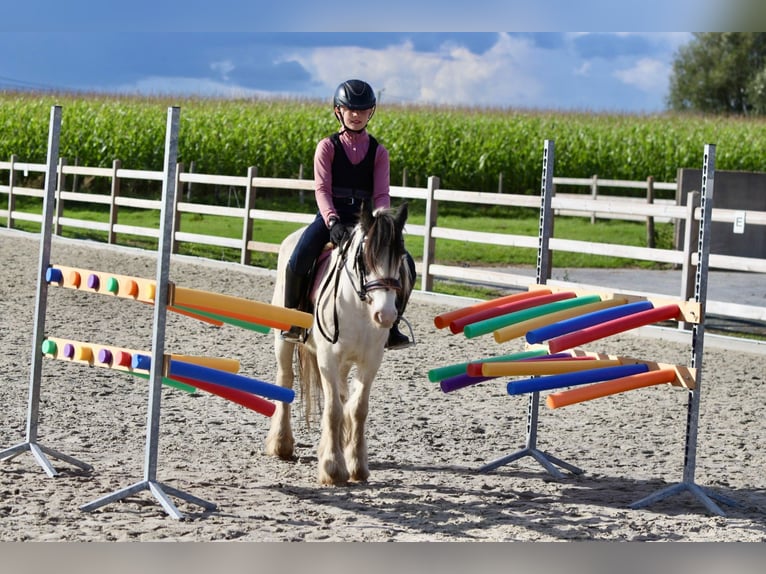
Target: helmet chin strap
339,117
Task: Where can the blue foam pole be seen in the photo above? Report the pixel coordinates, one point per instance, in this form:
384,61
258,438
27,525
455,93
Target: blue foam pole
588,320
574,378
232,380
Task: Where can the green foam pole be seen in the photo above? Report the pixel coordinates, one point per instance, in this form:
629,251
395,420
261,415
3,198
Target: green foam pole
227,320
489,325
169,382
441,373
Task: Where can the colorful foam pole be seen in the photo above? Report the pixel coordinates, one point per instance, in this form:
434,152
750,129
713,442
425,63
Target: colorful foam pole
459,324
440,373
606,388
461,381
612,327
576,378
474,368
444,319
553,367
588,320
248,400
484,327
220,319
238,382
240,308
520,329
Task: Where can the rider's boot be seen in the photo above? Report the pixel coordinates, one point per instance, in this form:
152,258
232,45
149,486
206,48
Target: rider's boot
295,291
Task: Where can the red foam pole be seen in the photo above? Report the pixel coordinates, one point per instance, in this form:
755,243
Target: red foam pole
459,324
444,319
612,327
249,400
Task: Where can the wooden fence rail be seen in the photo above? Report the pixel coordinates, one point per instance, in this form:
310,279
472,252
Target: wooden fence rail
593,205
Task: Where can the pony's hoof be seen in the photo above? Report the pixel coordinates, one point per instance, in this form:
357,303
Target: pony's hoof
333,476
281,449
360,475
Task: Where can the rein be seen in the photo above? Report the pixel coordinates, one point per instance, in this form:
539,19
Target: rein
360,273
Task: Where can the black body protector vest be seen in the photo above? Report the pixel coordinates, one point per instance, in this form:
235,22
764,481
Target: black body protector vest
352,183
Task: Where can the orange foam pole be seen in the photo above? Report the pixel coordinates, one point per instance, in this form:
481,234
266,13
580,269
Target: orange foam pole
519,329
533,368
253,402
444,319
459,324
219,303
612,327
269,322
202,318
606,388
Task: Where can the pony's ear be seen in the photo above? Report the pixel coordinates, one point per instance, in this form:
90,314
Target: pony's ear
365,215
401,215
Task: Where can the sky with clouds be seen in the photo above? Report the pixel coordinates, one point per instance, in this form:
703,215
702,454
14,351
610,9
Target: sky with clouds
188,49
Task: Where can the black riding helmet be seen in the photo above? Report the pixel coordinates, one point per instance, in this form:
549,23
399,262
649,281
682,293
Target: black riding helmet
354,95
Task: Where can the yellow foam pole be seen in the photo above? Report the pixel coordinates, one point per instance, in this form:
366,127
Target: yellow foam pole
186,297
220,363
519,329
544,367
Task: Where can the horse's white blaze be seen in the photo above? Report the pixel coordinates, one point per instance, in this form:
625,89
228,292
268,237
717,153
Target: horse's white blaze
383,307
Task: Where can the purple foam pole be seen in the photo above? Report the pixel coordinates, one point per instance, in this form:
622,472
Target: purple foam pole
574,378
460,381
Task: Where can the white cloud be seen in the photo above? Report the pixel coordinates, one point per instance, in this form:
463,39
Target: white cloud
169,85
451,75
223,67
646,74
583,69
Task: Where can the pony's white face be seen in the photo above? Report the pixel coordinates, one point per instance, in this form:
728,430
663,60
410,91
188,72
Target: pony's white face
382,304
381,262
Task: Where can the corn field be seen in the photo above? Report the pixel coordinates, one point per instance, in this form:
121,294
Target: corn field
468,148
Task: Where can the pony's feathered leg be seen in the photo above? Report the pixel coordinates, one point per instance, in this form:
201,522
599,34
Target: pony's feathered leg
279,440
354,419
332,466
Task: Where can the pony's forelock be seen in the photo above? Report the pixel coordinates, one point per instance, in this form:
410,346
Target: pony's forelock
384,242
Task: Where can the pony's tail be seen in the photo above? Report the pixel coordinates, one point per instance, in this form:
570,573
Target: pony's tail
310,383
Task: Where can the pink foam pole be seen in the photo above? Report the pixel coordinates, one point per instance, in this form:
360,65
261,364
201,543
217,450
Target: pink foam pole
612,327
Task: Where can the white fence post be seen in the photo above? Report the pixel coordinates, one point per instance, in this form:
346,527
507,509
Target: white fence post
429,242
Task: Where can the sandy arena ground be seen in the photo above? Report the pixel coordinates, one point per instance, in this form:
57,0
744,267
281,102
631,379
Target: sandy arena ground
425,446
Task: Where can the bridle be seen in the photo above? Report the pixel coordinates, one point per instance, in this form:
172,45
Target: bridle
358,279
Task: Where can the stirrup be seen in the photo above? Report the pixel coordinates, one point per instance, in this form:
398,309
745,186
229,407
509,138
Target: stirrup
396,343
296,335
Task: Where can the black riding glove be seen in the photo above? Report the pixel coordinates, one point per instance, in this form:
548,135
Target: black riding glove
338,232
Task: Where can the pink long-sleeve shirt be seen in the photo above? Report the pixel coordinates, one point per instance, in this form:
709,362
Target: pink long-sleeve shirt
355,146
